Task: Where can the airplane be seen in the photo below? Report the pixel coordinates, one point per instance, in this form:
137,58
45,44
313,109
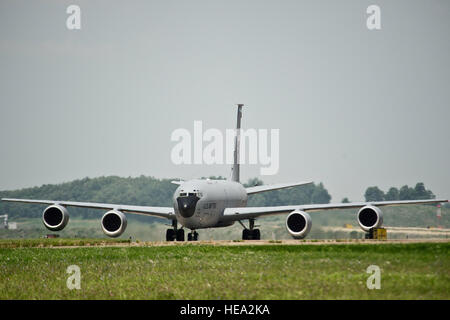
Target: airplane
207,203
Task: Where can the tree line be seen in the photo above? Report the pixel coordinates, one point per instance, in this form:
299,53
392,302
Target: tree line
141,191
149,191
419,192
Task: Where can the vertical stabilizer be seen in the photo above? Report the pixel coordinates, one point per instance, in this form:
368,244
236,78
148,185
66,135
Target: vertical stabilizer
237,143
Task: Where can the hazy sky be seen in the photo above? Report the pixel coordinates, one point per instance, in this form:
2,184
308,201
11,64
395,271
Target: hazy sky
355,108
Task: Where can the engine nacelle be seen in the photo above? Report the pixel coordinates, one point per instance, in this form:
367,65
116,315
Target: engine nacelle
114,223
369,217
55,217
298,224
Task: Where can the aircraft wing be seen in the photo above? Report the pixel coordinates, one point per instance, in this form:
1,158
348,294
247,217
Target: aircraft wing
162,212
270,187
235,214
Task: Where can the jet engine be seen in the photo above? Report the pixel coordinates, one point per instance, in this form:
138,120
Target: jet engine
370,217
298,224
55,217
114,223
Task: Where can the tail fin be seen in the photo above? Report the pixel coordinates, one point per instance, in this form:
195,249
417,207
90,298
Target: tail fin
237,142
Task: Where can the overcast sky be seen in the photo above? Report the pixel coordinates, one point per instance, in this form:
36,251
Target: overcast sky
355,107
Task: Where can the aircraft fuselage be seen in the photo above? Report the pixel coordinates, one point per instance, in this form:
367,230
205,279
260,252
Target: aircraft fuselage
200,204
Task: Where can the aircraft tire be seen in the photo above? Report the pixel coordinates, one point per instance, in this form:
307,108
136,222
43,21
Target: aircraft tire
170,235
180,235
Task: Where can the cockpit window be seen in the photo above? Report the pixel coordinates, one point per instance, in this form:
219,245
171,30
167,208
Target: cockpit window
190,194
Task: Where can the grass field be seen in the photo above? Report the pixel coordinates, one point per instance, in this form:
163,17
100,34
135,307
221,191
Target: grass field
186,271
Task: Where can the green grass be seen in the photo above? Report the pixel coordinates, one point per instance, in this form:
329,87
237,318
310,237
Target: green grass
57,242
408,271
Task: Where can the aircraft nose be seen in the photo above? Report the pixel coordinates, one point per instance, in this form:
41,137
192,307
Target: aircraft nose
186,205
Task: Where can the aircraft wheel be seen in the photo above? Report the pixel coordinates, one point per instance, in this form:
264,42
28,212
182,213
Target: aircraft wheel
180,235
256,235
245,234
195,236
170,235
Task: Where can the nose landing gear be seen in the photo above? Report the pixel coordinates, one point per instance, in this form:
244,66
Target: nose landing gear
193,236
178,234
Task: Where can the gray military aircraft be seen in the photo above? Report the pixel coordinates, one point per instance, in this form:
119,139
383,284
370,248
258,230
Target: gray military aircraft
200,203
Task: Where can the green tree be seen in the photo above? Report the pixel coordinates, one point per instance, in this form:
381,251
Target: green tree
320,195
392,195
422,193
253,182
345,200
374,194
406,193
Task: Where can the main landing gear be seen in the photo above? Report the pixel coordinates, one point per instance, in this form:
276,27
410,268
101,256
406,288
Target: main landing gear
178,234
175,233
250,233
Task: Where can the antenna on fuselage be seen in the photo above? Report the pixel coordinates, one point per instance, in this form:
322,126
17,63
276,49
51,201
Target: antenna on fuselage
237,143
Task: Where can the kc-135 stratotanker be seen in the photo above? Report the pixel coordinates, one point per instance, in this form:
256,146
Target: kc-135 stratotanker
207,203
